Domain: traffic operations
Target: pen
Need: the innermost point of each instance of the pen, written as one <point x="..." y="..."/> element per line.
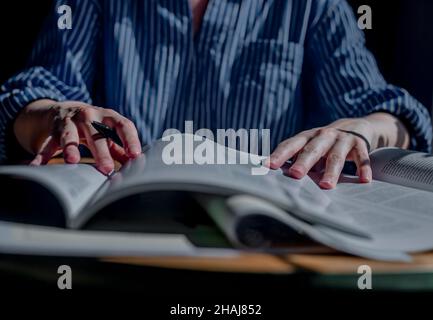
<point x="107" y="132"/>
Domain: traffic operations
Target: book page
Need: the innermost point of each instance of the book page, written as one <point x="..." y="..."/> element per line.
<point x="151" y="173"/>
<point x="403" y="167"/>
<point x="40" y="240"/>
<point x="241" y="219"/>
<point x="72" y="184"/>
<point x="397" y="217"/>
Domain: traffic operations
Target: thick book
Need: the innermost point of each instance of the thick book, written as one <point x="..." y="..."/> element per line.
<point x="386" y="220"/>
<point x="395" y="210"/>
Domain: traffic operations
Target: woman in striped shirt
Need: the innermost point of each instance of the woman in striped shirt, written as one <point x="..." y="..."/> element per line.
<point x="296" y="67"/>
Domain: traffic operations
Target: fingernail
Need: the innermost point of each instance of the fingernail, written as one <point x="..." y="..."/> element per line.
<point x="72" y="159"/>
<point x="275" y="164"/>
<point x="71" y="155"/>
<point x="134" y="150"/>
<point x="106" y="168"/>
<point x="36" y="161"/>
<point x="267" y="162"/>
<point x="297" y="171"/>
<point x="272" y="162"/>
<point x="366" y="174"/>
<point x="326" y="184"/>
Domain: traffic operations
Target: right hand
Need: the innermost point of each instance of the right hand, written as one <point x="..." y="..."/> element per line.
<point x="47" y="128"/>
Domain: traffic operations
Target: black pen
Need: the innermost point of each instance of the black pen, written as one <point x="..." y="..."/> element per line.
<point x="107" y="132"/>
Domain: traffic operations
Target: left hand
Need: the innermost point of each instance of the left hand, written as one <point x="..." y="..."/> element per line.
<point x="310" y="146"/>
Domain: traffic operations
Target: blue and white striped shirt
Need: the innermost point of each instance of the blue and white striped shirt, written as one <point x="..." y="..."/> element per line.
<point x="286" y="65"/>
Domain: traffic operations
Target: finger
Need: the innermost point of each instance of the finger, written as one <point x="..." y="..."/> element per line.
<point x="98" y="147"/>
<point x="126" y="131"/>
<point x="335" y="162"/>
<point x="362" y="161"/>
<point x="287" y="149"/>
<point x="48" y="149"/>
<point x="69" y="141"/>
<point x="312" y="152"/>
<point x="117" y="152"/>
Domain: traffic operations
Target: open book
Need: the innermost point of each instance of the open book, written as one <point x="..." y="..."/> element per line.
<point x="395" y="210"/>
<point x="346" y="219"/>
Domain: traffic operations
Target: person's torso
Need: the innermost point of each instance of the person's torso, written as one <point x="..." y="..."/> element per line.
<point x="242" y="69"/>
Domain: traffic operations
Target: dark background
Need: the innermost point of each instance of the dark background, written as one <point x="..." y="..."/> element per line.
<point x="401" y="39"/>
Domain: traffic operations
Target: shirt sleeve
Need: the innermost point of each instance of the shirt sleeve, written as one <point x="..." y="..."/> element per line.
<point x="61" y="66"/>
<point x="345" y="81"/>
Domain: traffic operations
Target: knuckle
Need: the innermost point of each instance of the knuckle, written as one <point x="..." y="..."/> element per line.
<point x="303" y="134"/>
<point x="65" y="135"/>
<point x="309" y="132"/>
<point x="284" y="144"/>
<point x="327" y="131"/>
<point x="335" y="158"/>
<point x="309" y="150"/>
<point x="111" y="113"/>
<point x="345" y="137"/>
<point x="67" y="122"/>
<point x="361" y="148"/>
<point x="87" y="114"/>
<point x="126" y="123"/>
<point x="123" y="122"/>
